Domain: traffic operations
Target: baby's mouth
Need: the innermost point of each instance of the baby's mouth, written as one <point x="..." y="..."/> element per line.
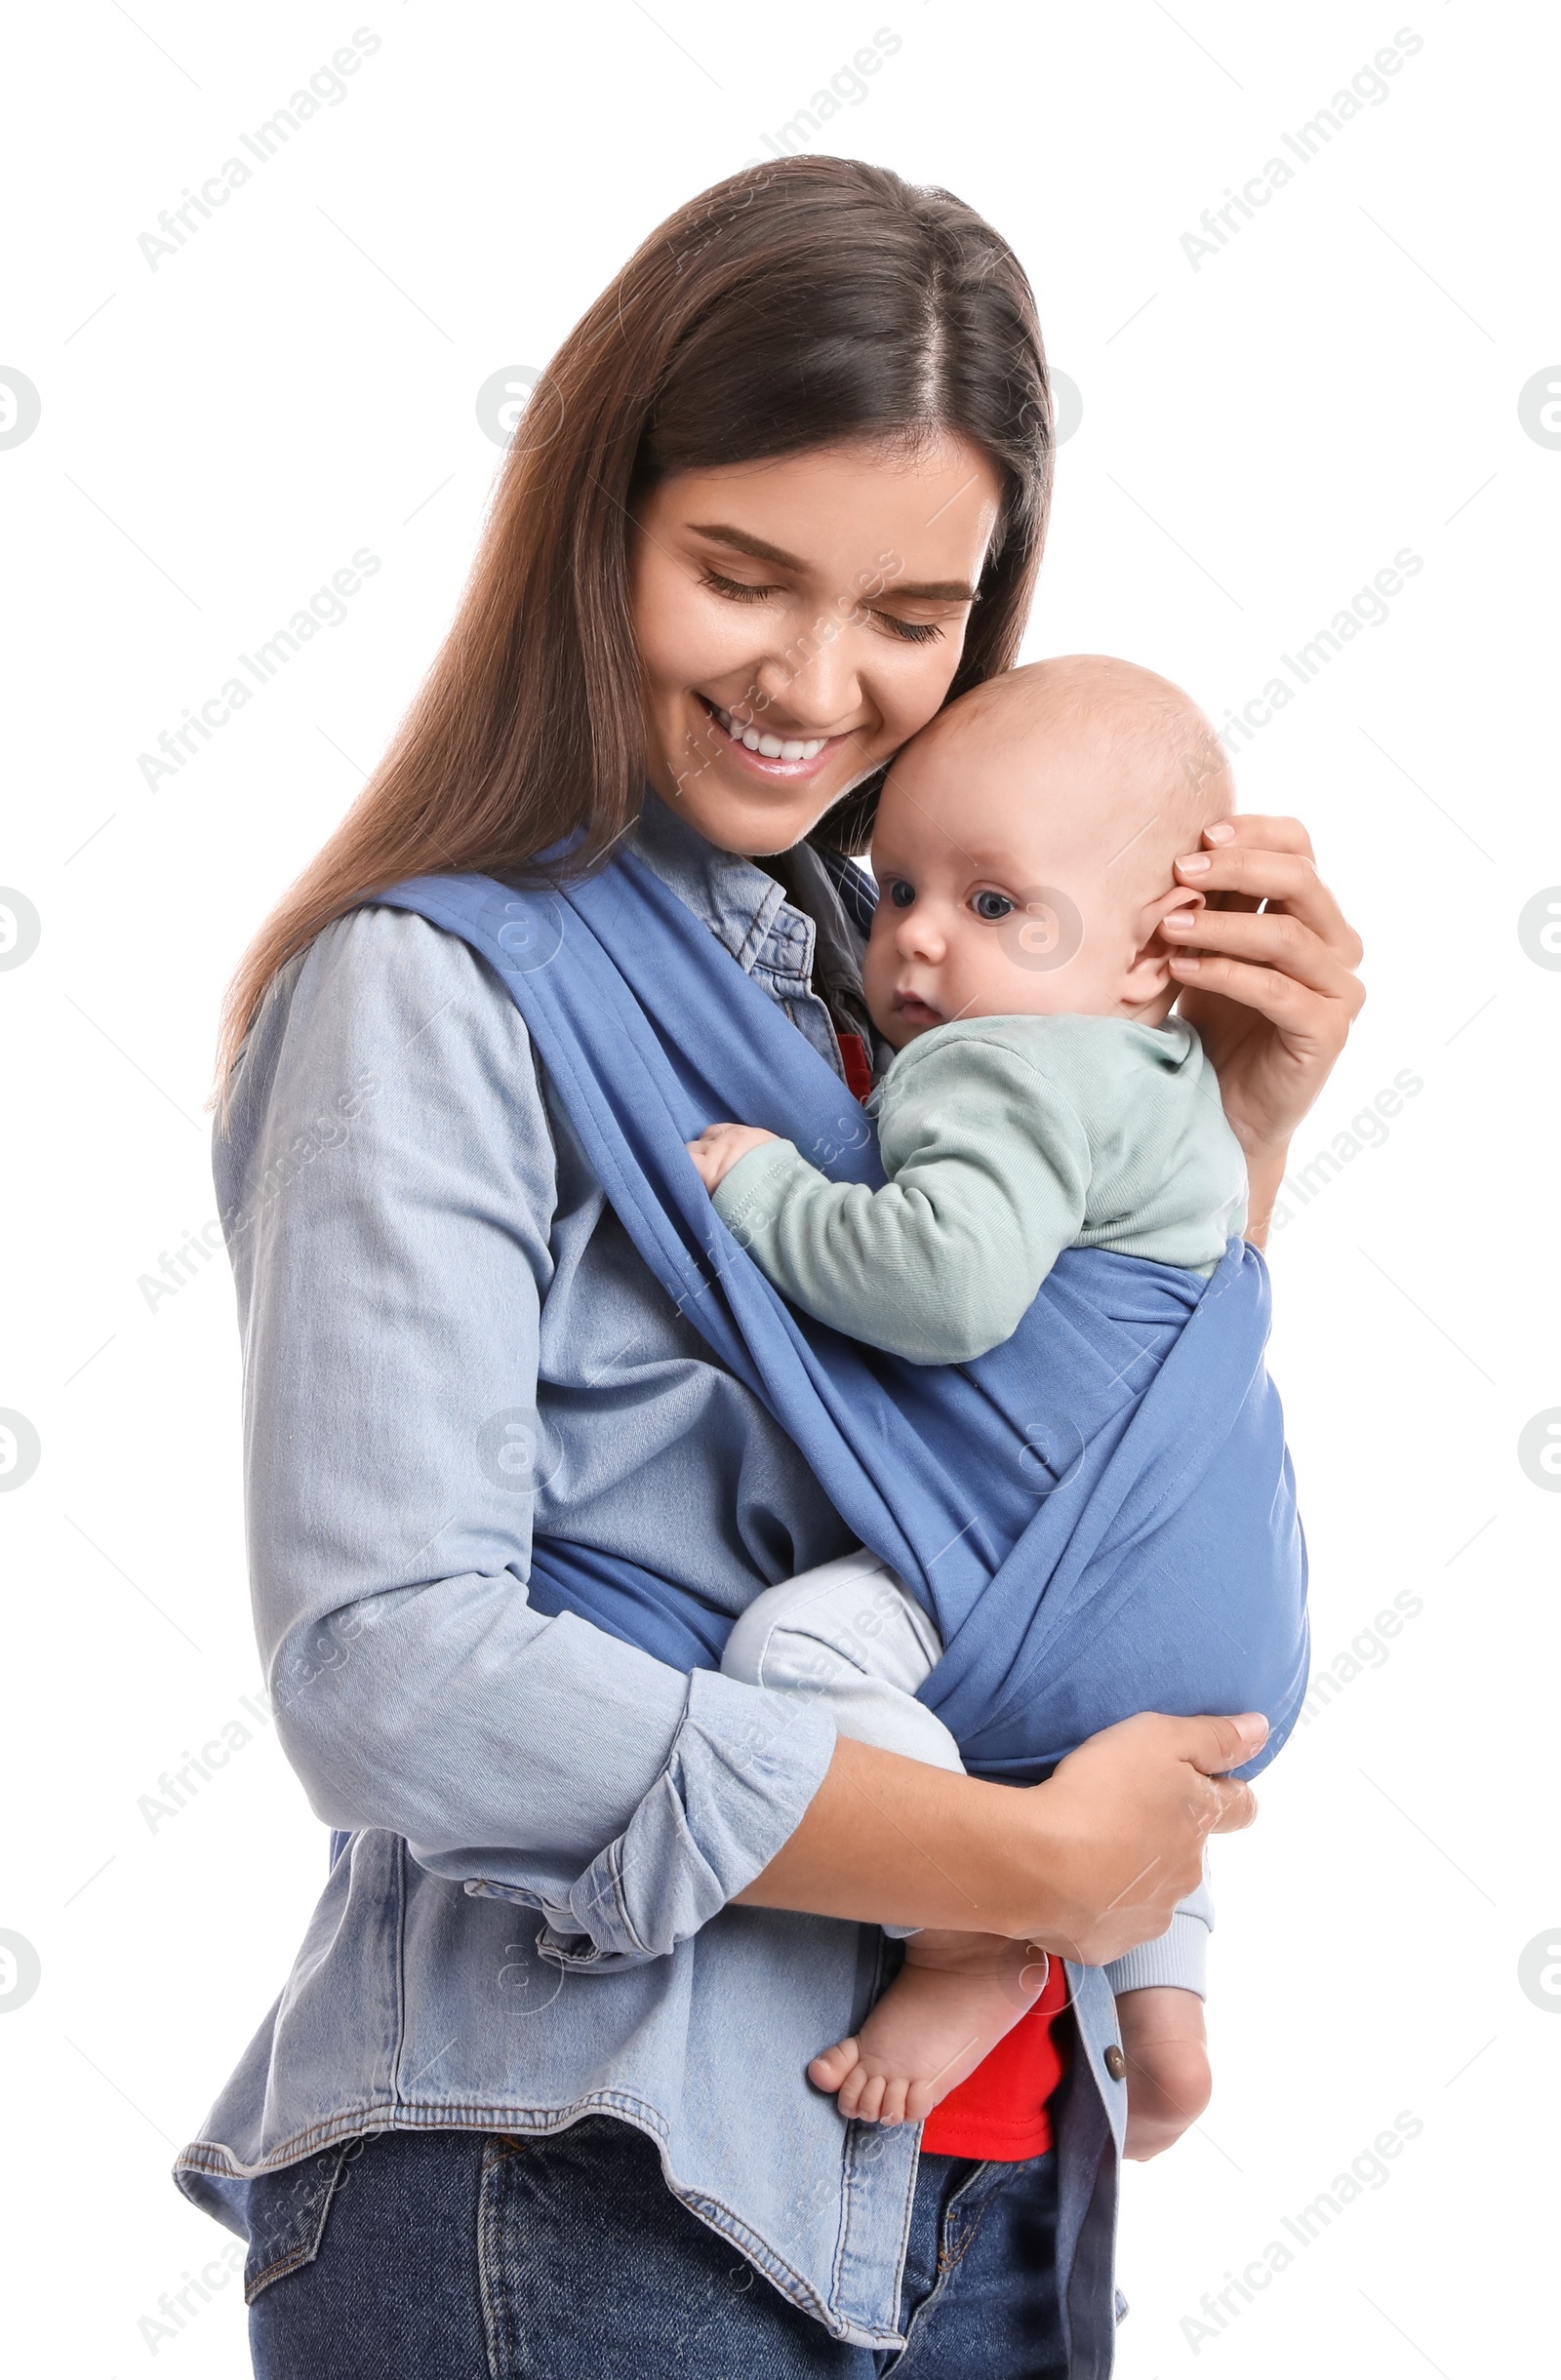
<point x="915" y="1011"/>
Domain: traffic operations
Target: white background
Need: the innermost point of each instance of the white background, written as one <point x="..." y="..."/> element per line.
<point x="1259" y="436"/>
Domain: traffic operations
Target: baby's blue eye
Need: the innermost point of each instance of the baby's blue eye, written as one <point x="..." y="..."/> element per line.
<point x="991" y="905"/>
<point x="901" y="893"/>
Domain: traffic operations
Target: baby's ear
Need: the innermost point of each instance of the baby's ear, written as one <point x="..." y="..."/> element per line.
<point x="1149" y="977"/>
<point x="1155" y="912"/>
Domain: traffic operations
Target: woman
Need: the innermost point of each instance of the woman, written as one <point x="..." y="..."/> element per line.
<point x="532" y="2098"/>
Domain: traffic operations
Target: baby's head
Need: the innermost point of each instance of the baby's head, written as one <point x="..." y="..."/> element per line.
<point x="1026" y="849"/>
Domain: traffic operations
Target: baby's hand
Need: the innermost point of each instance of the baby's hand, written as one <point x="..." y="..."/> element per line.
<point x="1168" y="2066"/>
<point x="719" y="1146"/>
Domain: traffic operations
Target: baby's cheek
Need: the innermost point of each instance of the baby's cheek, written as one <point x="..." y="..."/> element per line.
<point x="993" y="982"/>
<point x="1015" y="969"/>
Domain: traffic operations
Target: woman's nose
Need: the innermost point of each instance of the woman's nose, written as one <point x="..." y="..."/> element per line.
<point x="812" y="683"/>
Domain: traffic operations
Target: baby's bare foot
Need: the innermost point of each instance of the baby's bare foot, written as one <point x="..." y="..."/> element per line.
<point x="952" y="2000"/>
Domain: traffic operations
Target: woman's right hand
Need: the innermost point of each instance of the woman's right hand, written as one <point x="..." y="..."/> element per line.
<point x="1123" y="1822"/>
<point x="1088" y="1865"/>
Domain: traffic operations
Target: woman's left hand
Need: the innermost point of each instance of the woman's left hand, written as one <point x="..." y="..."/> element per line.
<point x="1272" y="993"/>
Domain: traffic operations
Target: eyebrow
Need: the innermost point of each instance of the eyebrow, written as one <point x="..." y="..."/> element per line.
<point x="939" y="590"/>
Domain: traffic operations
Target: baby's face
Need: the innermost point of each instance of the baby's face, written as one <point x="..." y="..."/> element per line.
<point x="996" y="895"/>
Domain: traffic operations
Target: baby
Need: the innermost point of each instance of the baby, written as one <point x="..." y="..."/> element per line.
<point x="1042" y="1096"/>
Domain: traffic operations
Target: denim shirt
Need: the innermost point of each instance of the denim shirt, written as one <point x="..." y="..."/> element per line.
<point x="448" y="1340"/>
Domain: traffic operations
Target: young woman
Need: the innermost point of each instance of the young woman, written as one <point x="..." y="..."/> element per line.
<point x="532" y="2099"/>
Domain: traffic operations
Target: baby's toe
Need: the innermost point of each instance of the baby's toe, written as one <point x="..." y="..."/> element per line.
<point x="920" y="2100"/>
<point x="830" y="2068"/>
<point x="849" y="2097"/>
<point x="893" y="2110"/>
<point x="867" y="2099"/>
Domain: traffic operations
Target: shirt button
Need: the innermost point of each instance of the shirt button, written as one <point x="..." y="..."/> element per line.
<point x="1116" y="2064"/>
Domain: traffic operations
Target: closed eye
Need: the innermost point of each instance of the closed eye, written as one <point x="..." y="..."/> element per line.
<point x="736" y="590"/>
<point x="910" y="632"/>
<point x="739" y="590"/>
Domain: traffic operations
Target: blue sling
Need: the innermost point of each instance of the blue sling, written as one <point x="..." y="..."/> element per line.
<point x="1100" y="1514"/>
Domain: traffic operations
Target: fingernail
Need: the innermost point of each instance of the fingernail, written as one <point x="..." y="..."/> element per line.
<point x="1196" y="864"/>
<point x="1179" y="922"/>
<point x="1186" y="962"/>
<point x="1221" y="832"/>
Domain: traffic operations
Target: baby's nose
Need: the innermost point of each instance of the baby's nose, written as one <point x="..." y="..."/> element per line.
<point x="918" y="937"/>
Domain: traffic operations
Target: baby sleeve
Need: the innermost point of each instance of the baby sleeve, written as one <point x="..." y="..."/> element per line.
<point x="988" y="1167"/>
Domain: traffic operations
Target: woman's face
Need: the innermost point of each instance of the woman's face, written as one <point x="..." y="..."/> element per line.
<point x="814" y="608"/>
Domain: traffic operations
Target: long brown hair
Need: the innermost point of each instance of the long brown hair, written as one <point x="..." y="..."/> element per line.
<point x="798" y="304"/>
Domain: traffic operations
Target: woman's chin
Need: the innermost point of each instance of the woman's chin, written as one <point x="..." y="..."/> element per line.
<point x="749" y="817"/>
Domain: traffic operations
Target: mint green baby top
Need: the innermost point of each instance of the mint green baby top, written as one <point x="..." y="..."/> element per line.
<point x="1005" y="1139"/>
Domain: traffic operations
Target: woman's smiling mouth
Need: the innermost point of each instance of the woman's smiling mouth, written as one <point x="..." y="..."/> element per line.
<point x="762" y="750"/>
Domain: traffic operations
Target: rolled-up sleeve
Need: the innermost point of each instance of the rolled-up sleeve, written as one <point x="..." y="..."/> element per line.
<point x="743" y="1765"/>
<point x="387" y="1186"/>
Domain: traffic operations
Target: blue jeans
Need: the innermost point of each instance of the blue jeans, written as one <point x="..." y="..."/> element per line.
<point x="486" y="2256"/>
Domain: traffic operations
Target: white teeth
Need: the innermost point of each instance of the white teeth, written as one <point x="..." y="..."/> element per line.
<point x="770" y="746"/>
